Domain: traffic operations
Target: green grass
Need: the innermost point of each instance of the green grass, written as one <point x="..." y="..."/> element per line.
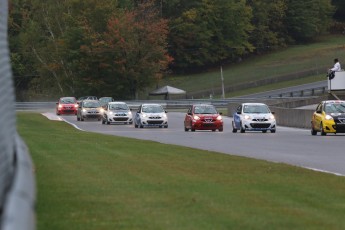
<point x="92" y="181"/>
<point x="291" y="60"/>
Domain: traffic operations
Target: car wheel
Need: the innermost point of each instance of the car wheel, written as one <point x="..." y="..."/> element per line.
<point x="108" y="123"/>
<point x="186" y="129"/>
<point x="242" y="129"/>
<point x="213" y="130"/>
<point x="220" y="130"/>
<point x="81" y="118"/>
<point x="166" y="126"/>
<point x="234" y="130"/>
<point x="313" y="131"/>
<point x="103" y="121"/>
<point x="130" y="123"/>
<point x="273" y="130"/>
<point x="264" y="131"/>
<point x="321" y="130"/>
<point x="141" y="126"/>
<point x="58" y="114"/>
<point x="78" y="119"/>
<point x="193" y="130"/>
<point x="135" y="125"/>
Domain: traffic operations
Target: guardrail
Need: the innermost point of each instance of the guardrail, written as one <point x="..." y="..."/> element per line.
<point x="304" y="93"/>
<point x="17" y="185"/>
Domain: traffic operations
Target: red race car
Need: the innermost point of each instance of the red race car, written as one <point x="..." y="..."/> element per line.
<point x="67" y="105"/>
<point x="203" y="117"/>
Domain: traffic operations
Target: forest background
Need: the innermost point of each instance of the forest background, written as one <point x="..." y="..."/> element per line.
<point x="120" y="47"/>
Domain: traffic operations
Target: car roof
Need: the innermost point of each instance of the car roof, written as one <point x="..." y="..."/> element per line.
<point x="146" y="104"/>
<point x="253" y="103"/>
<point x="116" y="102"/>
<point x="333" y="101"/>
<point x="90" y="101"/>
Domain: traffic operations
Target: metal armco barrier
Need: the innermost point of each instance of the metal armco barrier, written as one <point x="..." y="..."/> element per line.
<point x="17" y="183"/>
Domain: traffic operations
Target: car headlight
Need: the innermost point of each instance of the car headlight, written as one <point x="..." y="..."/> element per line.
<point x="219" y="118"/>
<point x="60" y="106"/>
<point x="144" y="115"/>
<point x="76" y="106"/>
<point x="101" y="110"/>
<point x="328" y="117"/>
<point x="111" y="113"/>
<point x="164" y="116"/>
<point x="271" y="117"/>
<point x="84" y="110"/>
<point x="196" y="118"/>
<point x="246" y="117"/>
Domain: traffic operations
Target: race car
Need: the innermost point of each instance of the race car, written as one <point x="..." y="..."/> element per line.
<point x="118" y="113"/>
<point x="151" y="115"/>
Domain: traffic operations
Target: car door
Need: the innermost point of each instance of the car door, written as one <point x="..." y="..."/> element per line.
<point x="317" y="117"/>
<point x="188" y="118"/>
<point x="237" y="117"/>
<point x="137" y="116"/>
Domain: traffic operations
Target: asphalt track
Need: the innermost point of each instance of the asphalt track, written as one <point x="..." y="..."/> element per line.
<point x="288" y="145"/>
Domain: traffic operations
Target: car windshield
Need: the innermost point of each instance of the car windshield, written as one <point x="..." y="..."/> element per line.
<point x="91" y="104"/>
<point x="105" y="99"/>
<point x="205" y="110"/>
<point x="335" y="107"/>
<point x="255" y="109"/>
<point x="67" y="101"/>
<point x="152" y="109"/>
<point x="118" y="107"/>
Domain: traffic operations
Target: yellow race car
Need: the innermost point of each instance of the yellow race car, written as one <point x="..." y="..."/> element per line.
<point x="329" y="117"/>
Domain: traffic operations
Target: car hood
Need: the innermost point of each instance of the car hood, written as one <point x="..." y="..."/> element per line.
<point x="207" y="115"/>
<point x="119" y="111"/>
<point x="259" y="115"/>
<point x="337" y="115"/>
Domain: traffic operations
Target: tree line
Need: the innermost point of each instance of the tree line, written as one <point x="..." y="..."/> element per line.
<point x="119" y="47"/>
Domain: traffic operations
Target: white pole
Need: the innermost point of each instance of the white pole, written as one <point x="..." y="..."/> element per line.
<point x="222" y="78"/>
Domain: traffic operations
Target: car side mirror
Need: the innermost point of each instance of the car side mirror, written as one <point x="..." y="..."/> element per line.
<point x="57" y="103"/>
<point x="166" y="111"/>
<point x="238" y="112"/>
<point x="318" y="111"/>
<point x="273" y="112"/>
<point x="190" y="114"/>
<point x="220" y="113"/>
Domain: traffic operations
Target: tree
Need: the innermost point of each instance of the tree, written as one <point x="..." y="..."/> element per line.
<point x="137" y="41"/>
<point x="211" y="32"/>
<point x="269" y="31"/>
<point x="307" y="19"/>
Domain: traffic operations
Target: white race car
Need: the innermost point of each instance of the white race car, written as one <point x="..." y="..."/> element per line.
<point x="117" y="112"/>
<point x="151" y="115"/>
<point x="253" y="117"/>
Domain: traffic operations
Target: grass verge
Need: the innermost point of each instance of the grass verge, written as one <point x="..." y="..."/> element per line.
<point x="92" y="181"/>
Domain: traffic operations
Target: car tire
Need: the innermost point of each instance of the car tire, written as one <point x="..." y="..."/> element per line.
<point x="313" y="131"/>
<point x="213" y="130"/>
<point x="234" y="130"/>
<point x="81" y="119"/>
<point x="166" y="126"/>
<point x="322" y="131"/>
<point x="264" y="131"/>
<point x="242" y="129"/>
<point x="78" y="119"/>
<point x="103" y="121"/>
<point x="273" y="130"/>
<point x="220" y="130"/>
<point x="186" y="129"/>
<point x="135" y="125"/>
<point x="193" y="130"/>
<point x="108" y="123"/>
<point x="141" y="126"/>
